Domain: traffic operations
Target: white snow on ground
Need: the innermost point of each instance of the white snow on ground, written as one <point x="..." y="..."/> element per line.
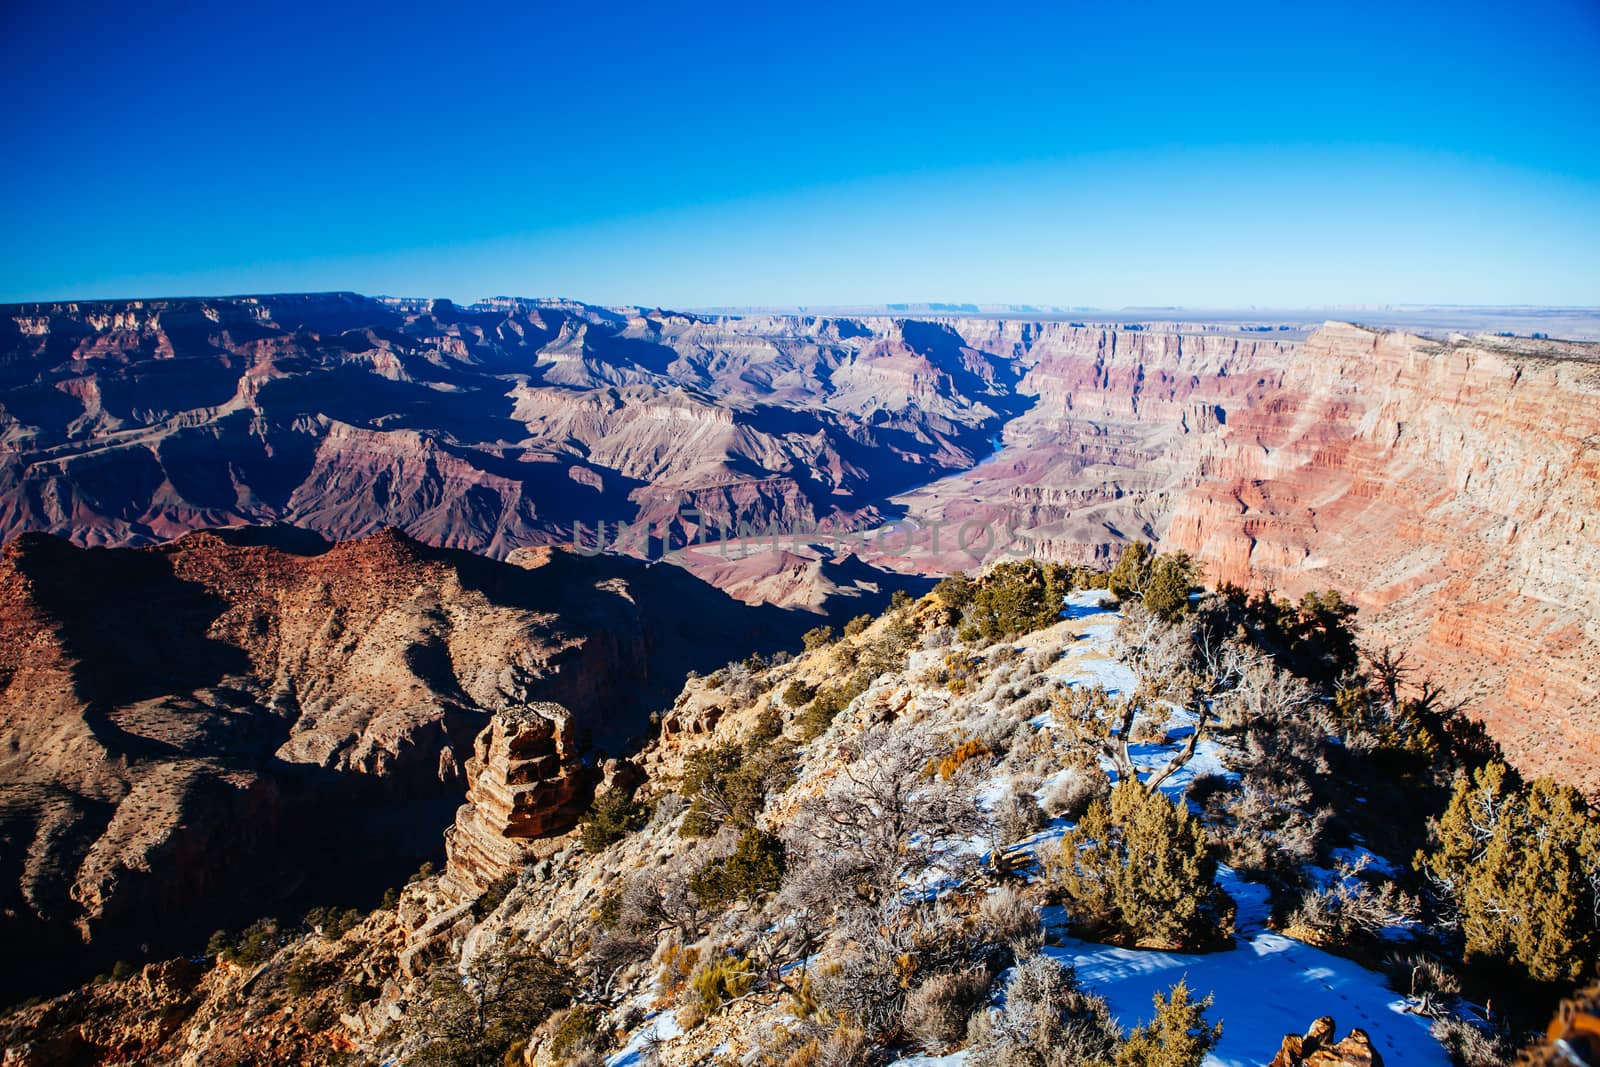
<point x="954" y="1059"/>
<point x="663" y="1027"/>
<point x="1089" y="660"/>
<point x="1268" y="985"/>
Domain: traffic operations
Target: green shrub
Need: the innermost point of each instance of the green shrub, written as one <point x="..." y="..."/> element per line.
<point x="1516" y="863"/>
<point x="824" y="708"/>
<point x="816" y="638"/>
<point x="718" y="981"/>
<point x="1132" y="571"/>
<point x="1015" y="597"/>
<point x="576" y="1030"/>
<point x="753" y="870"/>
<point x="955" y="592"/>
<point x="333" y="922"/>
<point x="798" y="693"/>
<point x="609" y="913"/>
<point x="1140" y="871"/>
<point x="613" y="815"/>
<point x="767" y="728"/>
<point x="307" y="974"/>
<point x="1178" y="1035"/>
<point x="1167" y="592"/>
<point x="857" y="626"/>
<point x="476" y="1016"/>
<point x="727" y="784"/>
<point x="255" y="944"/>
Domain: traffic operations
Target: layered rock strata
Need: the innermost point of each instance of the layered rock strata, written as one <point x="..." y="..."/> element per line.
<point x="527" y="785"/>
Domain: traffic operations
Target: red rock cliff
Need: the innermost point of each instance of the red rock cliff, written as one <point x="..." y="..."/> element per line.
<point x="1453" y="491"/>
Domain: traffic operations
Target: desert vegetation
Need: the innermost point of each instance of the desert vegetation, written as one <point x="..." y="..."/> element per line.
<point x="906" y="837"/>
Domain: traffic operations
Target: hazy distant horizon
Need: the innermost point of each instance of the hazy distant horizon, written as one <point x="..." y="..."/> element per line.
<point x="1573" y="323"/>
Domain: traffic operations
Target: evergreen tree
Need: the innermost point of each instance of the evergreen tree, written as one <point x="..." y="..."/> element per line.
<point x="1178" y="1035"/>
<point x="612" y="816"/>
<point x="1015" y="597"/>
<point x="1167" y="593"/>
<point x="1521" y="867"/>
<point x="1140" y="869"/>
<point x="1132" y="572"/>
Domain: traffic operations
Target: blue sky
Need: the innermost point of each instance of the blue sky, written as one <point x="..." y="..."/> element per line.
<point x="1102" y="154"/>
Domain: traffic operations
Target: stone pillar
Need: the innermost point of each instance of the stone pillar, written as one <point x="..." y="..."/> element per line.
<point x="525" y="784"/>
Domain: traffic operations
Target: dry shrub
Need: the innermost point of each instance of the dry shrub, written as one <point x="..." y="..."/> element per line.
<point x="676" y="963"/>
<point x="1046" y="1021"/>
<point x="1018" y="813"/>
<point x="1150" y="727"/>
<point x="1471" y="1046"/>
<point x="1350" y="908"/>
<point x="938" y="1009"/>
<point x="1007" y="918"/>
<point x="1071" y="795"/>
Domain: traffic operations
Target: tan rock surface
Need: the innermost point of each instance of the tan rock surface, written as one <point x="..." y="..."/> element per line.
<point x="526" y="785"/>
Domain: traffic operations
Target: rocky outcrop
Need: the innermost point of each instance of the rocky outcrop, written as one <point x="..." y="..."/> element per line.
<point x="253" y="721"/>
<point x="526" y="785"/>
<point x="1318" y="1048"/>
<point x="1573" y="1035"/>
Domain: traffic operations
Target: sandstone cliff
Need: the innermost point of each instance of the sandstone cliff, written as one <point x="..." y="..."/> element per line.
<point x="1451" y="489"/>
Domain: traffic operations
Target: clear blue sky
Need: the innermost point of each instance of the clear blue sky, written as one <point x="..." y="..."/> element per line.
<point x="1106" y="153"/>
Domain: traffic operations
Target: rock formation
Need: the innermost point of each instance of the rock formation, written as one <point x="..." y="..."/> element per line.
<point x="1318" y="1048"/>
<point x="1448" y="487"/>
<point x="526" y="785"/>
<point x="1573" y="1035"/>
<point x="254" y="721"/>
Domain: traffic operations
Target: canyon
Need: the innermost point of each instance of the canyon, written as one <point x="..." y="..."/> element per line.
<point x="1446" y="485"/>
<point x="251" y="720"/>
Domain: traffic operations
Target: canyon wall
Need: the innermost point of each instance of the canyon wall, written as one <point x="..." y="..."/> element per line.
<point x="1447" y="487"/>
<point x="252" y="721"/>
<point x="1452" y="490"/>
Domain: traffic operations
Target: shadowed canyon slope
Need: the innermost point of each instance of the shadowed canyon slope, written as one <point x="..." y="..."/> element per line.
<point x="242" y="721"/>
<point x="1449" y="487"/>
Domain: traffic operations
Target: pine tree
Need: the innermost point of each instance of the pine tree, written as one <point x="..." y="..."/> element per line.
<point x="1521" y="866"/>
<point x="1141" y="870"/>
<point x="1178" y="1035"/>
